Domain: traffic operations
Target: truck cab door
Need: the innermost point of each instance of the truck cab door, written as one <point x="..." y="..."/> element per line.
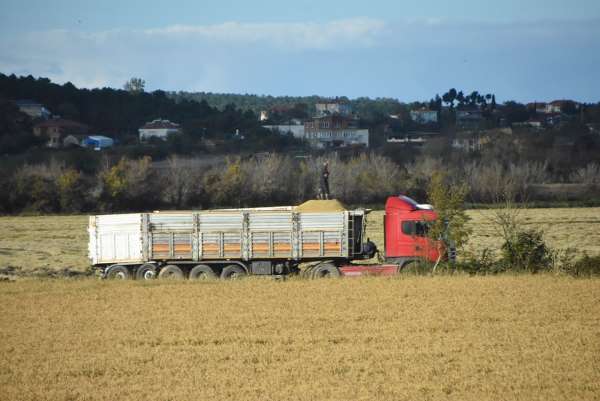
<point x="416" y="242"/>
<point x="409" y="241"/>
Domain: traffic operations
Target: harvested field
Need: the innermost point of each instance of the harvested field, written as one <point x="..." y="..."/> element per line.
<point x="59" y="242"/>
<point x="44" y="242"/>
<point x="411" y="338"/>
<point x="577" y="228"/>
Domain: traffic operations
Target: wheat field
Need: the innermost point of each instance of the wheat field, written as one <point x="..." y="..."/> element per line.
<point x="404" y="338"/>
<point x="46" y="243"/>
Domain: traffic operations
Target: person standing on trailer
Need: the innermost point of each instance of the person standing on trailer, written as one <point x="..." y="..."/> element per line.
<point x="325" y="181"/>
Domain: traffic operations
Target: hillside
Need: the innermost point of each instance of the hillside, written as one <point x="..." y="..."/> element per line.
<point x="119" y="114"/>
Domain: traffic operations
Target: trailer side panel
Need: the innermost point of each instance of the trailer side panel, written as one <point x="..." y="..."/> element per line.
<point x="116" y="238"/>
<point x="240" y="234"/>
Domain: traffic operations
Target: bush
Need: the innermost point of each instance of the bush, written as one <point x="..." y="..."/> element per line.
<point x="483" y="264"/>
<point x="35" y="190"/>
<point x="526" y="251"/>
<point x="71" y="191"/>
<point x="587" y="266"/>
<point x="130" y="185"/>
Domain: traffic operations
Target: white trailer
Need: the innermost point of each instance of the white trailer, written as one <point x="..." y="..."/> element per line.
<point x="225" y="242"/>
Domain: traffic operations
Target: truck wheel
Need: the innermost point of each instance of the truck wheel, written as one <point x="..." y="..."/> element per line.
<point x="117" y="272"/>
<point x="202" y="272"/>
<point x="412" y="267"/>
<point x="171" y="272"/>
<point x="325" y="270"/>
<point x="406" y="267"/>
<point x="232" y="272"/>
<point x="146" y="271"/>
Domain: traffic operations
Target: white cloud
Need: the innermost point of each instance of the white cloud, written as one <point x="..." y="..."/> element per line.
<point x="358" y="54"/>
<point x="207" y="54"/>
<point x="356" y="32"/>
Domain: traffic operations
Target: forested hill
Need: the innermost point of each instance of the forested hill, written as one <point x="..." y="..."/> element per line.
<point x="364" y="106"/>
<point x="116" y="111"/>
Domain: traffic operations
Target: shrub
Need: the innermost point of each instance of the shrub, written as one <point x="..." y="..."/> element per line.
<point x="71" y="190"/>
<point x="484" y="263"/>
<point x="35" y="189"/>
<point x="130" y="185"/>
<point x="526" y="251"/>
<point x="587" y="266"/>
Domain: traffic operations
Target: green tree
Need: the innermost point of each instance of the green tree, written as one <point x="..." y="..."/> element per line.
<point x="449" y="97"/>
<point x="130" y="185"/>
<point x="227" y="187"/>
<point x="35" y="190"/>
<point x="448" y="199"/>
<point x="135" y="85"/>
<point x="71" y="191"/>
<point x="515" y="112"/>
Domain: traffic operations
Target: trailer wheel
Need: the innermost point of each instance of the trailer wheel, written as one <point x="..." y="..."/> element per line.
<point x="232" y="272"/>
<point x="325" y="270"/>
<point x="117" y="272"/>
<point x="171" y="272"/>
<point x="202" y="272"/>
<point x="146" y="271"/>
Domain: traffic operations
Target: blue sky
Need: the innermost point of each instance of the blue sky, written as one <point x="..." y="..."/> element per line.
<point x="522" y="50"/>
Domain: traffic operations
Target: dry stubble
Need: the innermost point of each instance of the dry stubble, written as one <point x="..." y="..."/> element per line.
<point x="503" y="338"/>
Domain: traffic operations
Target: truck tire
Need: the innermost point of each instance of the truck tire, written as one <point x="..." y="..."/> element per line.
<point x="117" y="272"/>
<point x="414" y="266"/>
<point x="171" y="272"/>
<point x="405" y="265"/>
<point x="202" y="272"/>
<point x="232" y="272"/>
<point x="325" y="270"/>
<point x="146" y="271"/>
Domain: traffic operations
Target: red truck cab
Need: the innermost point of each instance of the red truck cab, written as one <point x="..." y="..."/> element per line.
<point x="406" y="225"/>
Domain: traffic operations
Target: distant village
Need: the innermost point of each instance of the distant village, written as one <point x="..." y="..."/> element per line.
<point x="336" y="125"/>
<point x="64" y="133"/>
<point x="333" y="125"/>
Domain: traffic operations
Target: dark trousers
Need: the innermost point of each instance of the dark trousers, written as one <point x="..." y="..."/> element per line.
<point x="325" y="189"/>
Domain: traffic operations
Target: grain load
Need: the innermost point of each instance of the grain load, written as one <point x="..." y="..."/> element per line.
<point x="319" y="206"/>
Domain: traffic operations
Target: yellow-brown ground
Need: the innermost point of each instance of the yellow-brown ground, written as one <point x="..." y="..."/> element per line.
<point x="411" y="338"/>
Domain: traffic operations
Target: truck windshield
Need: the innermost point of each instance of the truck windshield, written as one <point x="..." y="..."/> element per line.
<point x="415" y="228"/>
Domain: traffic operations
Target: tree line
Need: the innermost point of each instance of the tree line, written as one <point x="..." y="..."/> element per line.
<point x="263" y="180"/>
<point x="120" y="113"/>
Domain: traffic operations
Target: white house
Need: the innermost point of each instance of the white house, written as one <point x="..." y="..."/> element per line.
<point x="33" y="109"/>
<point x="320" y="138"/>
<point x="417" y="138"/>
<point x="424" y="116"/>
<point x="333" y="107"/>
<point x="158" y="129"/>
<point x="264" y="115"/>
<point x="338" y="137"/>
<point x="559" y="106"/>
